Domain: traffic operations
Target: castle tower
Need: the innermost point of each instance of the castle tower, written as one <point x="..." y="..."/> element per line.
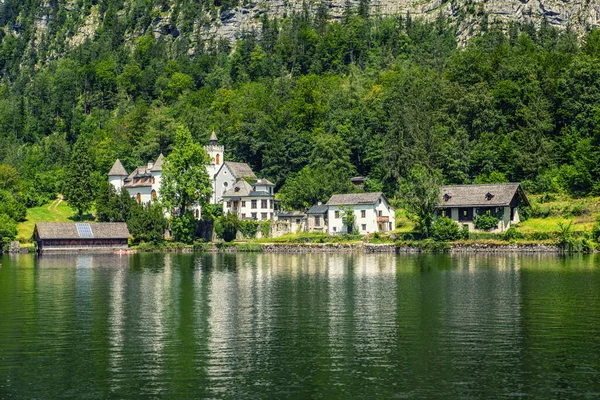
<point x="215" y="152"/>
<point x="116" y="175"/>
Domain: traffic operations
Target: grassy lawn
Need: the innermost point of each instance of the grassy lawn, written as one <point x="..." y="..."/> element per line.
<point x="57" y="211"/>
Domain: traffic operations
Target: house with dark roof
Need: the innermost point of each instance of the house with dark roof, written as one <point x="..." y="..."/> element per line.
<point x="255" y="202"/>
<point x="372" y="213"/>
<point x="317" y="218"/>
<point x="80" y="236"/>
<point x="463" y="203"/>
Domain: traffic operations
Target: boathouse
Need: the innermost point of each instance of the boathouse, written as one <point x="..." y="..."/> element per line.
<point x="80" y="236"/>
<point x="463" y="203"/>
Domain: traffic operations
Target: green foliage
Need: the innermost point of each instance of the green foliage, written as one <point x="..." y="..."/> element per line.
<point x="265" y="228"/>
<point x="8" y="228"/>
<point x="185" y="181"/>
<point x="595" y="234"/>
<point x="426" y="245"/>
<point x="525" y="212"/>
<point x="348" y="219"/>
<point x="10" y="180"/>
<point x="444" y="229"/>
<point x="485" y="221"/>
<point x="512" y="234"/>
<point x="249" y="247"/>
<point x="248" y="228"/>
<point x="79" y="187"/>
<point x="227" y="226"/>
<point x="419" y="193"/>
<point x="11" y="207"/>
<point x="183" y="227"/>
<point x="147" y="223"/>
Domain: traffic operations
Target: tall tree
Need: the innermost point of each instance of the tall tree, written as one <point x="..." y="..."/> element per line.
<point x="79" y="188"/>
<point x="419" y="192"/>
<point x="185" y="181"/>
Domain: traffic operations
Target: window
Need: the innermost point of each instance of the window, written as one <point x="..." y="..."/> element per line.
<point x="364" y="227"/>
<point x="379" y="213"/>
<point x="391" y="226"/>
<point x="271" y="215"/>
<point x="253" y="204"/>
<point x="335" y="228"/>
<point x="218" y="159"/>
<point x="243" y="203"/>
<point x="337" y="214"/>
<point x="317" y="221"/>
<point x="272" y="203"/>
<point x="363" y="213"/>
<point x="243" y="216"/>
<point x="138" y="197"/>
<point x="253" y="215"/>
<point x="263" y="204"/>
<point x="197" y="213"/>
<point x="229" y="204"/>
<point x="465" y="214"/>
<point x="153" y="194"/>
<point x="297" y="220"/>
<point x="263" y="216"/>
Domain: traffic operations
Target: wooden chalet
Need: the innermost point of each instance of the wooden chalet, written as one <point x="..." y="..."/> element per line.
<point x="80" y="236"/>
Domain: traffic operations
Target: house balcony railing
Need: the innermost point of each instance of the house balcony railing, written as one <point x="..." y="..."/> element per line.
<point x="383" y="219"/>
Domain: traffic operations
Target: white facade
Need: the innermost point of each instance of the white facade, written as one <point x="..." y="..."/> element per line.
<point x="368" y="218"/>
<point x="258" y="208"/>
<point x="222" y="182"/>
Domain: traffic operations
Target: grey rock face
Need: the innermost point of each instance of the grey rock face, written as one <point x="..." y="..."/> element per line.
<point x="468" y="15"/>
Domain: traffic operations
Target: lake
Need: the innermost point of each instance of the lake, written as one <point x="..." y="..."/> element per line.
<point x="323" y="326"/>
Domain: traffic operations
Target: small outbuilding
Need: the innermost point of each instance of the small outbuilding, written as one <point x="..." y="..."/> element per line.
<point x="80" y="236"/>
<point x="463" y="203"/>
<point x="317" y="218"/>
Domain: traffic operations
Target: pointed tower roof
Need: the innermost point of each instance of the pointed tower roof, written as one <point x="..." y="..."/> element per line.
<point x="158" y="163"/>
<point x="117" y="169"/>
<point x="213" y="138"/>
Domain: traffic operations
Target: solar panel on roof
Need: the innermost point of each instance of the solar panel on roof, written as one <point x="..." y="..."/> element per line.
<point x="84" y="230"/>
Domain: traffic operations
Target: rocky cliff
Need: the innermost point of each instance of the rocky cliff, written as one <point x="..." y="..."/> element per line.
<point x="210" y="21"/>
<point x="467" y="15"/>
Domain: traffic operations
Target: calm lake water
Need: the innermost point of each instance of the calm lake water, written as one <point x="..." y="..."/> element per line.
<point x="299" y="326"/>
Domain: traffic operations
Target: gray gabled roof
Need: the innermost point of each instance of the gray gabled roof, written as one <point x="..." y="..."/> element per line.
<point x="213" y="136"/>
<point x="318" y="209"/>
<point x="351" y="199"/>
<point x="68" y="230"/>
<point x="487" y="195"/>
<point x="240" y="170"/>
<point x="264" y="182"/>
<point x="158" y="164"/>
<point x="240" y="189"/>
<point x="117" y="169"/>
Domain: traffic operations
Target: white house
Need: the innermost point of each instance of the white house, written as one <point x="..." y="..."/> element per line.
<point x="227" y="175"/>
<point x="462" y="203"/>
<point x="143" y="183"/>
<point x="372" y="213"/>
<point x="254" y="202"/>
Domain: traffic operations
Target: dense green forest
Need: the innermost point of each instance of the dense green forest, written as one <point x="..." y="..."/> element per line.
<point x="306" y="102"/>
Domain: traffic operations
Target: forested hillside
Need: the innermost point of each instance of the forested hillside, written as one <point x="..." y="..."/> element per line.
<point x="306" y="102"/>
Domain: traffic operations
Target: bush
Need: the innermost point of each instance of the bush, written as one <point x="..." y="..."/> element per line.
<point x="265" y="228"/>
<point x="485" y="222"/>
<point x="249" y="247"/>
<point x="512" y="234"/>
<point x="595" y="234"/>
<point x="184" y="228"/>
<point x="444" y="229"/>
<point x="8" y="228"/>
<point x="248" y="228"/>
<point x="525" y="212"/>
<point x="227" y="226"/>
<point x="465" y="234"/>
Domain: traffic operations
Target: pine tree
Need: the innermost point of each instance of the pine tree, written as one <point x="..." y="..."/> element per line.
<point x="79" y="188"/>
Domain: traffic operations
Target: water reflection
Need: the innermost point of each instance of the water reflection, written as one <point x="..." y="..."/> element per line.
<point x="310" y="325"/>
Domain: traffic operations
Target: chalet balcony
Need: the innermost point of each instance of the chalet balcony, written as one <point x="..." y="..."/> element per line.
<point x="383" y="219"/>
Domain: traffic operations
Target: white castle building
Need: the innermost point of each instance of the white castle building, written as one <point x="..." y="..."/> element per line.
<point x="143" y="183"/>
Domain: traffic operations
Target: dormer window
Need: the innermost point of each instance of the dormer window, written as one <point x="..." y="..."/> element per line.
<point x="447" y="197"/>
<point x="236" y="189"/>
<point x="489" y="196"/>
